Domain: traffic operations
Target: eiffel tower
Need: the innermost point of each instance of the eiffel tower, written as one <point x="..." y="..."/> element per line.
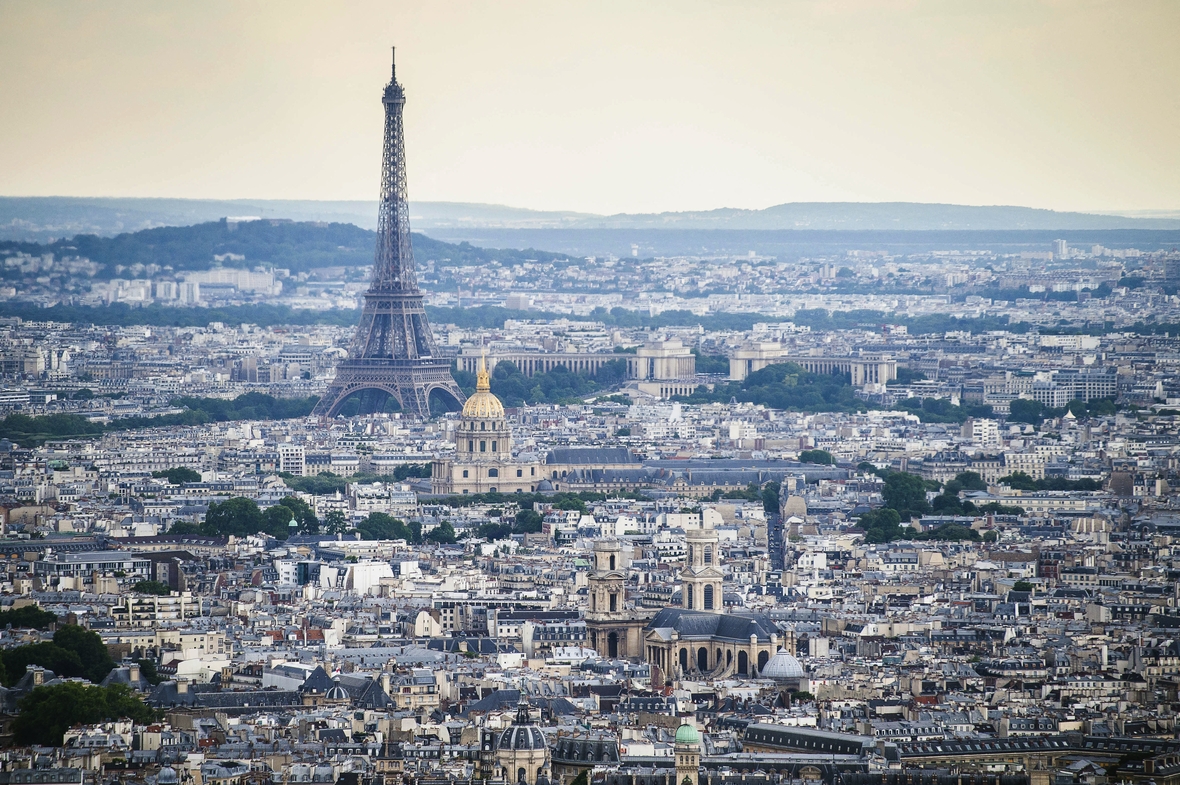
<point x="393" y="354"/>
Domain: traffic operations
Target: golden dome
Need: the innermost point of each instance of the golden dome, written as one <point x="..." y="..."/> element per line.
<point x="483" y="405"/>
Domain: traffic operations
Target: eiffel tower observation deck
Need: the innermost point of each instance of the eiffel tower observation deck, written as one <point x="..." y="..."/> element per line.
<point x="393" y="354"/>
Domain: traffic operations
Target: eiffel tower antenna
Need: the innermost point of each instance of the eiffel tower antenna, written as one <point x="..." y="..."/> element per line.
<point x="393" y="354"/>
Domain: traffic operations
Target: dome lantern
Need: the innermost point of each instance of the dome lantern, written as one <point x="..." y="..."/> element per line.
<point x="483" y="404"/>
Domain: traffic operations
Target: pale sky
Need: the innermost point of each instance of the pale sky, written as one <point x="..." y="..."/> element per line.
<point x="599" y="106"/>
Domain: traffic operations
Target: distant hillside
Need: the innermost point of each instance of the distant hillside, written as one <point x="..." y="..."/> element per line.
<point x="42" y="218"/>
<point x="880" y="216"/>
<point x="297" y="246"/>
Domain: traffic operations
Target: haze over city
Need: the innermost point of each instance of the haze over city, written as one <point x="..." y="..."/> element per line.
<point x="600" y="107"/>
<point x="698" y="393"/>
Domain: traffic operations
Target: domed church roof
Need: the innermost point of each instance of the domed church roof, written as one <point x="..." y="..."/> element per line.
<point x="483" y="405"/>
<point x="522" y="734"/>
<point x="783" y="666"/>
<point x="337" y="693"/>
<point x="687" y="734"/>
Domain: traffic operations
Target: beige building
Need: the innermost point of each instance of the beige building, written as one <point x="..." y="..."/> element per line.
<point x="614" y="629"/>
<point x="862" y="369"/>
<point x="483" y="450"/>
<point x="662" y="360"/>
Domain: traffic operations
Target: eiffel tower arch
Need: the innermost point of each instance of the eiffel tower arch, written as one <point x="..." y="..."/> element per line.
<point x="393" y="354"/>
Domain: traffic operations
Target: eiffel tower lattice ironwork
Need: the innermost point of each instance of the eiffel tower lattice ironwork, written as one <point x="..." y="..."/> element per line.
<point x="393" y="354"/>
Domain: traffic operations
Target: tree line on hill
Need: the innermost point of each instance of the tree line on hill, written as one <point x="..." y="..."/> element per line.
<point x="241" y="517"/>
<point x="298" y="246"/>
<point x="32" y="431"/>
<point x="786" y="386"/>
<point x="905" y="498"/>
<point x="559" y="385"/>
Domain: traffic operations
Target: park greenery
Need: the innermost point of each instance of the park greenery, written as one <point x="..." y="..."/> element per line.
<point x="49" y="711"/>
<point x="768" y="494"/>
<point x="151" y="587"/>
<point x="941" y="410"/>
<point x="711" y="363"/>
<point x="786" y="386"/>
<point x="1034" y="412"/>
<point x="327" y="483"/>
<point x="559" y="385"/>
<point x="33" y="431"/>
<point x="821" y="457"/>
<point x="905" y="498"/>
<point x="73" y="651"/>
<point x="1021" y="481"/>
<point x="178" y="475"/>
<point x="240" y="517"/>
<point x="27" y="617"/>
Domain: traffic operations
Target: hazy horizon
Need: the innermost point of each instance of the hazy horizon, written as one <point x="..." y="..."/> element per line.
<point x="601" y="108"/>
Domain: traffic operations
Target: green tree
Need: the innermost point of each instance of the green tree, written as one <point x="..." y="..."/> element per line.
<point x="966" y="481"/>
<point x="381" y="526"/>
<point x="184" y="527"/>
<point x="717" y="364"/>
<point x="950" y="532"/>
<point x="822" y="457"/>
<point x="152" y="587"/>
<point x="494" y="531"/>
<point x="570" y="502"/>
<point x="770" y="498"/>
<point x="905" y="493"/>
<point x="178" y="475"/>
<point x="444" y="534"/>
<point x="882" y="525"/>
<point x="1024" y="410"/>
<point x="46" y="654"/>
<point x="1022" y="586"/>
<point x="49" y="711"/>
<point x="335" y="522"/>
<point x="147" y="668"/>
<point x="277" y="519"/>
<point x="1019" y="481"/>
<point x="27" y="617"/>
<point x="238" y="516"/>
<point x="96" y="661"/>
<point x="528" y="522"/>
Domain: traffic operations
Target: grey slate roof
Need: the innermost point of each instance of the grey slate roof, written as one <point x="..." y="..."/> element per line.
<point x="591" y="455"/>
<point x="723" y="626"/>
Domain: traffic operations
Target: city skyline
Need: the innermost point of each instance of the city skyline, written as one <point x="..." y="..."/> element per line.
<point x="1057" y="106"/>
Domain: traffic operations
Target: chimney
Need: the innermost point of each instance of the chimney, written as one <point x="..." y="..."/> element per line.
<point x="38" y="675"/>
<point x="133" y="672"/>
<point x="182" y="687"/>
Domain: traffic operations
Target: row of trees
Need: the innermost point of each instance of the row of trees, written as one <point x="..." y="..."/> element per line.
<point x="27" y="617"/>
<point x="48" y="712"/>
<point x="768" y="494"/>
<point x="787" y="386"/>
<point x="1035" y="412"/>
<point x="941" y="410"/>
<point x="74" y="651"/>
<point x="380" y="526"/>
<point x="241" y="517"/>
<point x="1022" y="481"/>
<point x="905" y="498"/>
<point x="327" y="483"/>
<point x="23" y="429"/>
<point x="559" y="385"/>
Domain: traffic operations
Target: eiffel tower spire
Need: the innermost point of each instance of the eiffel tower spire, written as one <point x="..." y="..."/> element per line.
<point x="393" y="354"/>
